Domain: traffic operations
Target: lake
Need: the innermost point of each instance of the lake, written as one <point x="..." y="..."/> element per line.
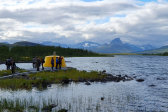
<point x="150" y="95"/>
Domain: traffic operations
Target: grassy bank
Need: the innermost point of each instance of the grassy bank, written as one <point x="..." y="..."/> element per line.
<point x="9" y="72"/>
<point x="42" y="79"/>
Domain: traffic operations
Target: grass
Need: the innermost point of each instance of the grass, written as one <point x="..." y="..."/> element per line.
<point x="5" y="72"/>
<point x="73" y="74"/>
<point x="15" y="84"/>
<point x="11" y="106"/>
<point x="17" y="105"/>
<point x="9" y="72"/>
<point x="42" y="79"/>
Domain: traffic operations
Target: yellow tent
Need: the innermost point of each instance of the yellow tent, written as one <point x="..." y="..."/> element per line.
<point x="48" y="61"/>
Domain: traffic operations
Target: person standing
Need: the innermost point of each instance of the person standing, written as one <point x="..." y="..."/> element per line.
<point x="42" y="62"/>
<point x="52" y="63"/>
<point x="13" y="66"/>
<point x="34" y="62"/>
<point x="60" y="62"/>
<point x="57" y="63"/>
<point x="38" y="64"/>
<point x="8" y="63"/>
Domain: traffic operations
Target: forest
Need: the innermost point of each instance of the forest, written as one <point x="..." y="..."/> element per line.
<point x="26" y="53"/>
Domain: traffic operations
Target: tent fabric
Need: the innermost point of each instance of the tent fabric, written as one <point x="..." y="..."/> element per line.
<point x="48" y="61"/>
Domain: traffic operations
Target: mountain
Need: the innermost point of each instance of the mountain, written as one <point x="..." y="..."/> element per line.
<point x="116" y="41"/>
<point x="147" y="47"/>
<point x="155" y="51"/>
<point x="49" y="43"/>
<point x="25" y="43"/>
<point x="85" y="45"/>
<point x="117" y="46"/>
<point x="4" y="44"/>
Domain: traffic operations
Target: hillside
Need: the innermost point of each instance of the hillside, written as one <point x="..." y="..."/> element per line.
<point x="156" y="51"/>
<point x="4" y="44"/>
<point x="115" y="46"/>
<point x="25" y="43"/>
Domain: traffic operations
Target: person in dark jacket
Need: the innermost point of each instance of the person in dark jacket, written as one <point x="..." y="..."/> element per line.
<point x="42" y="62"/>
<point x="52" y="63"/>
<point x="38" y="64"/>
<point x="34" y="62"/>
<point x="13" y="66"/>
<point x="57" y="63"/>
<point x="60" y="62"/>
<point x="8" y="63"/>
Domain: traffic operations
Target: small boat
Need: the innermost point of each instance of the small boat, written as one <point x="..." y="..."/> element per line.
<point x="48" y="61"/>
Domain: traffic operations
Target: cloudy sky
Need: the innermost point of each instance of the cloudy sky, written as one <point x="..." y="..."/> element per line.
<point x="72" y="21"/>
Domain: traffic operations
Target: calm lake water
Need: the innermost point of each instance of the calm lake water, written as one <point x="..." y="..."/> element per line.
<point x="132" y="96"/>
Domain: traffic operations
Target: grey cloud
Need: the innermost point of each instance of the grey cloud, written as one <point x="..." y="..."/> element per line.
<point x="64" y="14"/>
<point x="150" y="24"/>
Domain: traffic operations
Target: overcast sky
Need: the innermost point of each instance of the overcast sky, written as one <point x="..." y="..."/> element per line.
<point x="72" y="21"/>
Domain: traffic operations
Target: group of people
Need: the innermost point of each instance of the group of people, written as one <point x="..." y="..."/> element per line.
<point x="10" y="65"/>
<point x="37" y="62"/>
<point x="58" y="62"/>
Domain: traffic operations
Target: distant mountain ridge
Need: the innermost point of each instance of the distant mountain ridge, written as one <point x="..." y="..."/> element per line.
<point x="156" y="51"/>
<point x="49" y="43"/>
<point x="115" y="46"/>
<point x="25" y="43"/>
<point x="21" y="43"/>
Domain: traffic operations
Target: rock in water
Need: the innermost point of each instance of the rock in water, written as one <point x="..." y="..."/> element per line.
<point x="104" y="71"/>
<point x="63" y="110"/>
<point x="87" y="83"/>
<point x="102" y="98"/>
<point x="140" y="80"/>
<point x="49" y="108"/>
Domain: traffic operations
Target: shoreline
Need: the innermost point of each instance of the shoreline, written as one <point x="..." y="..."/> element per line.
<point x="44" y="79"/>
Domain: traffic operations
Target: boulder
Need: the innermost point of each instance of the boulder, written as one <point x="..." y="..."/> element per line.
<point x="102" y="98"/>
<point x="49" y="108"/>
<point x="63" y="110"/>
<point x="87" y="83"/>
<point x="140" y="80"/>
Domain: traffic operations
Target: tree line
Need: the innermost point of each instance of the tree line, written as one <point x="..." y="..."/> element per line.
<point x="26" y="53"/>
<point x="159" y="54"/>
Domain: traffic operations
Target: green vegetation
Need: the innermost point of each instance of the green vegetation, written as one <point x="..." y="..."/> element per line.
<point x="159" y="54"/>
<point x="5" y="72"/>
<point x="25" y="53"/>
<point x="8" y="72"/>
<point x="17" y="105"/>
<point x="42" y="79"/>
<point x="11" y="106"/>
<point x="73" y="74"/>
<point x="165" y="54"/>
<point x="160" y="50"/>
